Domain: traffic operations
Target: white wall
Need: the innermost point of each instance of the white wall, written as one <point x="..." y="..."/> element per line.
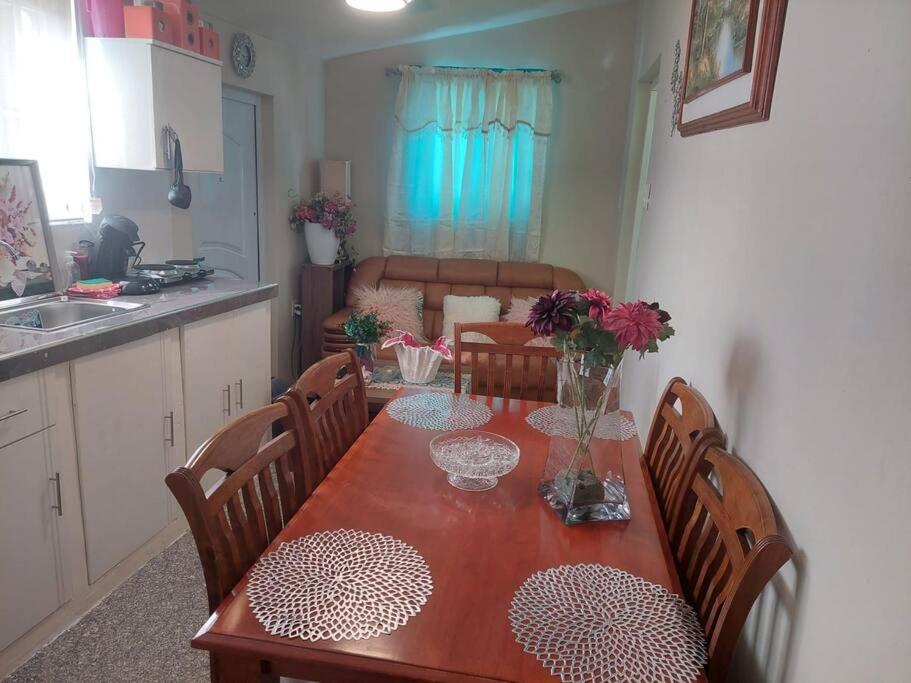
<point x="783" y="250"/>
<point x="593" y="49"/>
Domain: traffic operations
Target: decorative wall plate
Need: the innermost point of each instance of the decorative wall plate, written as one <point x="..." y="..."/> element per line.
<point x="338" y="585"/>
<point x="588" y="622"/>
<point x="243" y="55"/>
<point x="439" y="411"/>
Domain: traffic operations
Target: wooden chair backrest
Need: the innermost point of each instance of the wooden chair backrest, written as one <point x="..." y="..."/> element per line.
<point x="727" y="546"/>
<point x="333" y="403"/>
<point x="264" y="485"/>
<point x="510" y="341"/>
<point x="671" y="436"/>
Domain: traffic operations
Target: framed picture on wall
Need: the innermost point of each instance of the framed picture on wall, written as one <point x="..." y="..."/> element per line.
<point x="730" y="63"/>
<point x="25" y="252"/>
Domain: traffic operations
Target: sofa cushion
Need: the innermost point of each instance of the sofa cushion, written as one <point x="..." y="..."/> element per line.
<point x="397" y="305"/>
<point x="469" y="309"/>
<point x="411" y="268"/>
<point x="537" y="275"/>
<point x="519" y="309"/>
<point x="466" y="271"/>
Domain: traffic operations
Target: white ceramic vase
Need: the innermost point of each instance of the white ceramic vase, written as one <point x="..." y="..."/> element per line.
<point x="322" y="244"/>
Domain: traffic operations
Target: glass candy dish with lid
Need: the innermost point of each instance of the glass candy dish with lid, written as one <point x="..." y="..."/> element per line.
<point x="473" y="459"/>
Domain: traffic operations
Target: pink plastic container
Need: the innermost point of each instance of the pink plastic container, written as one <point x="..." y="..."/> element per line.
<point x="103" y="18"/>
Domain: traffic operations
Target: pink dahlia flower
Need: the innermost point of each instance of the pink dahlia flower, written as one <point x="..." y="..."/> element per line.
<point x="599" y="304"/>
<point x="634" y="324"/>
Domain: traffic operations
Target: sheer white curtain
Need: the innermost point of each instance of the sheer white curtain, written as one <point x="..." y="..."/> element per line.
<point x="43" y="104"/>
<point x="466" y="174"/>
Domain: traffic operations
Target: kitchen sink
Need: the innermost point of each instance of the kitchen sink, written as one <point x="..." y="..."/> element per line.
<point x="60" y="312"/>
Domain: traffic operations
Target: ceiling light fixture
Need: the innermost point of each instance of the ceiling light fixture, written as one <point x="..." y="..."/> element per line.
<point x="379" y="5"/>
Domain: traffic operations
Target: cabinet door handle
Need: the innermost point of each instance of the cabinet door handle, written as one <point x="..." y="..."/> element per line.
<point x="59" y="506"/>
<point x="226" y="405"/>
<point x="169" y="419"/>
<point x="13" y="413"/>
<point x="240" y="394"/>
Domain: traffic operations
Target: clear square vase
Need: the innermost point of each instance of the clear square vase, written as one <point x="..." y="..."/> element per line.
<point x="583" y="477"/>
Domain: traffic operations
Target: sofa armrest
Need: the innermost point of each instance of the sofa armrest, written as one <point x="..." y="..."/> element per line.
<point x="335" y="322"/>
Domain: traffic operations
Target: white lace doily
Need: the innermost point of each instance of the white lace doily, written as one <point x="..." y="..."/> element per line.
<point x="438" y="411"/>
<point x="557" y="421"/>
<point x="588" y="622"/>
<point x="338" y="585"/>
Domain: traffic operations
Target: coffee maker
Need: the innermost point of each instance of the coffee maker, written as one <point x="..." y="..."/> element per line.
<point x="119" y="243"/>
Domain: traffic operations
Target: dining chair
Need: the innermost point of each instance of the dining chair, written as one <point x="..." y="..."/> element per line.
<point x="727" y="545"/>
<point x="333" y="406"/>
<point x="682" y="414"/>
<point x="505" y="356"/>
<point x="263" y="485"/>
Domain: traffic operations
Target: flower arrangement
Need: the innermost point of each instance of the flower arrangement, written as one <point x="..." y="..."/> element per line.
<point x="333" y="213"/>
<point x="592" y="334"/>
<point x="366" y="327"/>
<point x="587" y="326"/>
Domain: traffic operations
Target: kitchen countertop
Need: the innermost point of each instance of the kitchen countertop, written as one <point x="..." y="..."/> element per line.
<point x="23" y="351"/>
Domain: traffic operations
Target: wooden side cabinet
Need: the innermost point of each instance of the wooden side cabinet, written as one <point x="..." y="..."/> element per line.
<point x="322" y="294"/>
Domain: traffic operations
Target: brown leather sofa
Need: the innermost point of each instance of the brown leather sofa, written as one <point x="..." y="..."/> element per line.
<point x="438" y="277"/>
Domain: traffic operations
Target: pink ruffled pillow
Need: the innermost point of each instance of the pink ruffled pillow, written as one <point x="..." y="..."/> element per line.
<point x="519" y="310"/>
<point x="397" y="306"/>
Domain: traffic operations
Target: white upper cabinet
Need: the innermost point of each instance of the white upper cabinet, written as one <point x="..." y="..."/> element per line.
<point x="139" y="86"/>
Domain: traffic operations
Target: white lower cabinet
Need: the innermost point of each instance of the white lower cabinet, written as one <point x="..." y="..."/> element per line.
<point x="226" y="369"/>
<point x="30" y="568"/>
<point x="128" y="406"/>
<point x="84" y="450"/>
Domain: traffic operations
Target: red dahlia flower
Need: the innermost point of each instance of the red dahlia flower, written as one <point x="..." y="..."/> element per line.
<point x="599" y="304"/>
<point x="634" y="324"/>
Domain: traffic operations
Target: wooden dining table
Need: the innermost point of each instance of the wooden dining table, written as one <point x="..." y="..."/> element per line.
<point x="479" y="546"/>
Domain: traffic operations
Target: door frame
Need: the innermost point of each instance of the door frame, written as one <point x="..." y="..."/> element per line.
<point x="636" y="187"/>
<point x="253" y="99"/>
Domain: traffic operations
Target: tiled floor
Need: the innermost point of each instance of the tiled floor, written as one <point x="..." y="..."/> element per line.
<point x="141" y="632"/>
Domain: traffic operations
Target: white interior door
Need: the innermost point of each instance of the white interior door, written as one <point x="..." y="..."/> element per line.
<point x="225" y="208"/>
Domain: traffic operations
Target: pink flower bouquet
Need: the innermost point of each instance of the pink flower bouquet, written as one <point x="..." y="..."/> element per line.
<point x="418" y="362"/>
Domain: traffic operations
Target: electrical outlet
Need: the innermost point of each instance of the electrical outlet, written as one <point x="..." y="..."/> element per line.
<point x="295" y="310"/>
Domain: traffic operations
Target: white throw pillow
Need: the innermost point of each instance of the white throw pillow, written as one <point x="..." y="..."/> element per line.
<point x="397" y="306"/>
<point x="469" y="309"/>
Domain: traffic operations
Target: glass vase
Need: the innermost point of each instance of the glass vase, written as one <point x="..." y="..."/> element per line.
<point x="583" y="477"/>
<point x="366" y="356"/>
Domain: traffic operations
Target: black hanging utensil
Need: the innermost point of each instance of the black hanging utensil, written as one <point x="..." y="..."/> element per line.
<point x="179" y="195"/>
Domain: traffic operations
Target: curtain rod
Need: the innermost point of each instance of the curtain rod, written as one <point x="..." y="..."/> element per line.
<point x="555" y="76"/>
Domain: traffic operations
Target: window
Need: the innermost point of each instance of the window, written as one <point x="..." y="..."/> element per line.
<point x="467" y="169"/>
<point x="43" y="103"/>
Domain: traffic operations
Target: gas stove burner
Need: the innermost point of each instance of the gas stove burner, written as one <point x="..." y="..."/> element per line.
<point x="173" y="271"/>
<point x="133" y="285"/>
<point x="164" y="267"/>
<point x="185" y="262"/>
